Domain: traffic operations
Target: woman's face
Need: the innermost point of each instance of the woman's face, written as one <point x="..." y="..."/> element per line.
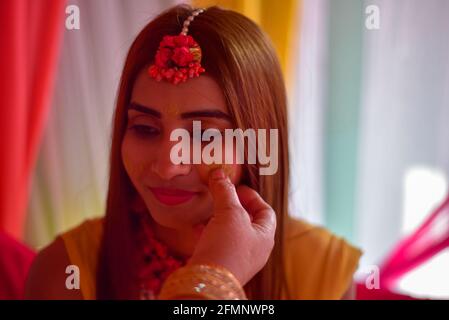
<point x="176" y="195"/>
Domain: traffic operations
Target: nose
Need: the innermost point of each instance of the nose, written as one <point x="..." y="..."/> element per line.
<point x="162" y="165"/>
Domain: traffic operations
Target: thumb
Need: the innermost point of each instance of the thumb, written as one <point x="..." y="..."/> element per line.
<point x="223" y="192"/>
<point x="261" y="213"/>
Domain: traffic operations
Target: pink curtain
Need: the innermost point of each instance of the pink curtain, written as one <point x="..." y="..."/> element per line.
<point x="428" y="240"/>
<point x="30" y="37"/>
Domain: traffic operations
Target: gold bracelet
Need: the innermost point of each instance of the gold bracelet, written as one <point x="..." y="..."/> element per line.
<point x="204" y="281"/>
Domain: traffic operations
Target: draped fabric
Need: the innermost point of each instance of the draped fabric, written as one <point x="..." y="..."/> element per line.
<point x="428" y="240"/>
<point x="15" y="261"/>
<point x="30" y="38"/>
<point x="402" y="123"/>
<point x="369" y="110"/>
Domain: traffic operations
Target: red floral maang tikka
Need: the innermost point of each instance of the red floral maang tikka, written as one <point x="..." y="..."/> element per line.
<point x="178" y="58"/>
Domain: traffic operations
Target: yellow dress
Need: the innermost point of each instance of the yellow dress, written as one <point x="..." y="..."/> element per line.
<point x="319" y="265"/>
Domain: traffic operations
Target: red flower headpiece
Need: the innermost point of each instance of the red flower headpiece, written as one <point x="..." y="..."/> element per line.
<point x="178" y="58"/>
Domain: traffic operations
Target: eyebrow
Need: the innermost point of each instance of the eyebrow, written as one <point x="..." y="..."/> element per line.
<point x="206" y="114"/>
<point x="212" y="113"/>
<point x="144" y="109"/>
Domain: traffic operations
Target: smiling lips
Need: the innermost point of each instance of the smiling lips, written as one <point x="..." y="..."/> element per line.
<point x="172" y="197"/>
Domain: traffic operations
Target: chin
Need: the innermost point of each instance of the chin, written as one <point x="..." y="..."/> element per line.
<point x="179" y="218"/>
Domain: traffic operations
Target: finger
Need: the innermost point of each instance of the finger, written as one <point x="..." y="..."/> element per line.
<point x="223" y="192"/>
<point x="261" y="212"/>
<point x="250" y="199"/>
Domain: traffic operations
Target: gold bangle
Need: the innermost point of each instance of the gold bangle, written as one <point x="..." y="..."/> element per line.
<point x="204" y="281"/>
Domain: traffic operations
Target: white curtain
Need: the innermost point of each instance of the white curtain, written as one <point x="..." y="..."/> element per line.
<point x="402" y="151"/>
<point x="404" y="128"/>
<point x="306" y="112"/>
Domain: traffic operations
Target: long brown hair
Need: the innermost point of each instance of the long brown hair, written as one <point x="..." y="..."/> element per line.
<point x="241" y="58"/>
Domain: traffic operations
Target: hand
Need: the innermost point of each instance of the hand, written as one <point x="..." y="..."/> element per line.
<point x="240" y="234"/>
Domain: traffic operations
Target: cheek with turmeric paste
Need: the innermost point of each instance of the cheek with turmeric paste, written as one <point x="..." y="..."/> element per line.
<point x="231" y="170"/>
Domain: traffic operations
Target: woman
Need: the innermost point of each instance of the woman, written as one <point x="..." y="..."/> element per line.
<point x="171" y="228"/>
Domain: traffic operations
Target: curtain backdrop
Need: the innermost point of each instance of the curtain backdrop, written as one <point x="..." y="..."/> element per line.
<point x="403" y="126"/>
<point x="370" y="131"/>
<point x="30" y="35"/>
<point x="368" y="113"/>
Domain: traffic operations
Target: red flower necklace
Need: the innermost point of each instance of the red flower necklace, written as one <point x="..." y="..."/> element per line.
<point x="178" y="58"/>
<point x="158" y="262"/>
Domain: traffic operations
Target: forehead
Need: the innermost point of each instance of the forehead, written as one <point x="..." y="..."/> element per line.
<point x="194" y="94"/>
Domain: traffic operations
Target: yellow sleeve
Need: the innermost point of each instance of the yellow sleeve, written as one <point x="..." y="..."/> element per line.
<point x="319" y="264"/>
<point x="82" y="245"/>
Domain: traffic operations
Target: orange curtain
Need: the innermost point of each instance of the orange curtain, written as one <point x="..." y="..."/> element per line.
<point x="30" y="37"/>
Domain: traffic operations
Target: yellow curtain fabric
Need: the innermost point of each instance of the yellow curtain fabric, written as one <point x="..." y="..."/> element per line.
<point x="279" y="19"/>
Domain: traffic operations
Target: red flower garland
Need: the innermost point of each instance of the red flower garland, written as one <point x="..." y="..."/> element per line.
<point x="177" y="59"/>
<point x="157" y="261"/>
